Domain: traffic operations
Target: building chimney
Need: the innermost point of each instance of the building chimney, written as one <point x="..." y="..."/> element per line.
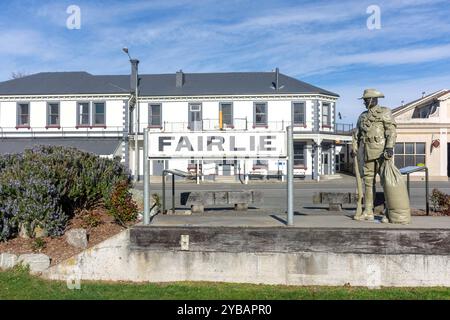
<point x="134" y="82"/>
<point x="179" y="79"/>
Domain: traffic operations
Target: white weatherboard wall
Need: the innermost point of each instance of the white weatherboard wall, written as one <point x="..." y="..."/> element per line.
<point x="112" y="260"/>
<point x="175" y="119"/>
<point x="177" y="111"/>
<point x="68" y="113"/>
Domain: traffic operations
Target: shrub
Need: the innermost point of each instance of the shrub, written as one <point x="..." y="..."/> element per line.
<point x="44" y="185"/>
<point x="38" y="244"/>
<point x="122" y="206"/>
<point x="440" y="201"/>
<point x="91" y="219"/>
<point x="8" y="215"/>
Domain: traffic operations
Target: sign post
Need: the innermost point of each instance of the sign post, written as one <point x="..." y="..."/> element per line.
<point x="146" y="179"/>
<point x="290" y="177"/>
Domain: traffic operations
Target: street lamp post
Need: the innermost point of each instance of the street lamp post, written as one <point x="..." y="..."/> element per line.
<point x="135" y="85"/>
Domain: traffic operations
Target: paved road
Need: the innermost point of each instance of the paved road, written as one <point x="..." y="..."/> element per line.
<point x="275" y="192"/>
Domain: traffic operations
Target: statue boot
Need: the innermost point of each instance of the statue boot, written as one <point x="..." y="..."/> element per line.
<point x="368" y="207"/>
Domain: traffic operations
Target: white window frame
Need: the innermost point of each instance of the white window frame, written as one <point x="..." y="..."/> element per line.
<point x="151" y="116"/>
<point x="49" y="114"/>
<point x="19" y="114"/>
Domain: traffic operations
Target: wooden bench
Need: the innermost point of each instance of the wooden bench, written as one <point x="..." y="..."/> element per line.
<point x="240" y="199"/>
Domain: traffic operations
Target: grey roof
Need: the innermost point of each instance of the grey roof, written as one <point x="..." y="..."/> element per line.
<point x="60" y="83"/>
<point x="100" y="146"/>
<point x="233" y="83"/>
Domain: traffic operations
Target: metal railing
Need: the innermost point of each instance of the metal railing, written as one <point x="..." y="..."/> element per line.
<point x="343" y="127"/>
<point x="50" y="132"/>
<point x="243" y="124"/>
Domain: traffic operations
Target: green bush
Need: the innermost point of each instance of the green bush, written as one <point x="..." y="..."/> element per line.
<point x="122" y="206"/>
<point x="44" y="185"/>
<point x="440" y="201"/>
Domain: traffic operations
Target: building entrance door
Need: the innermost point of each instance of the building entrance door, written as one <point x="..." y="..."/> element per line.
<point x="226" y="168"/>
<point x="158" y="167"/>
<point x="326" y="163"/>
<point x="195" y="117"/>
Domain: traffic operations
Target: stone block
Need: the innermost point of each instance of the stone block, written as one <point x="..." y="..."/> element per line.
<point x="334" y="197"/>
<point x="7" y="261"/>
<point x="239" y="197"/>
<point x="241" y="206"/>
<point x="77" y="238"/>
<point x="257" y="197"/>
<point x="197" y="208"/>
<point x="221" y="197"/>
<point x="334" y="207"/>
<point x="197" y="197"/>
<point x="37" y="262"/>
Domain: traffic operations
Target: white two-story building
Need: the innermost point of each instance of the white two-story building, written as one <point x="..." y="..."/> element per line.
<point x="97" y="114"/>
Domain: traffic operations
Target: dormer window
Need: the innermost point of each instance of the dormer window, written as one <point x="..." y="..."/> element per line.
<point x="425" y="111"/>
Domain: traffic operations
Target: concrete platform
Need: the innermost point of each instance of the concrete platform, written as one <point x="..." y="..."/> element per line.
<point x="263" y="233"/>
<point x="258" y="248"/>
<point x="262" y="219"/>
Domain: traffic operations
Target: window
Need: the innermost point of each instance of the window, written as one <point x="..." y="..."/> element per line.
<point x="99" y="114"/>
<point x="299" y="153"/>
<point x="326" y="119"/>
<point x="409" y="154"/>
<point x="53" y="114"/>
<point x="154" y="115"/>
<point x="260" y="114"/>
<point x="83" y="114"/>
<point x="299" y="113"/>
<point x="425" y="112"/>
<point x="23" y="115"/>
<point x="227" y="114"/>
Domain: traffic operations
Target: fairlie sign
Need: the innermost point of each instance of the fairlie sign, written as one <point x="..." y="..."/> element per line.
<point x="218" y="144"/>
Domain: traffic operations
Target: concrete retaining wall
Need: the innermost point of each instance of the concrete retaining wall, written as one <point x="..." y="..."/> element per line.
<point x="114" y="260"/>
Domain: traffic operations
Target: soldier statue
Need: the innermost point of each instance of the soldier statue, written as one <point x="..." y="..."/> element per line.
<point x="376" y="132"/>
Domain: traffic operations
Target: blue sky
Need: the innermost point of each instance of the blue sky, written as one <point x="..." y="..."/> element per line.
<point x="326" y="43"/>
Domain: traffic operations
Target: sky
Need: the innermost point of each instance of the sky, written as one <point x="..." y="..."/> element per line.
<point x="340" y="46"/>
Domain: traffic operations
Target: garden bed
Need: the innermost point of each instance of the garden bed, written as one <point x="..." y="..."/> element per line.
<point x="420" y="212"/>
<point x="47" y="191"/>
<point x="57" y="248"/>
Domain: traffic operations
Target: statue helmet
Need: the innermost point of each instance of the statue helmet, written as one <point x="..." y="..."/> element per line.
<point x="372" y="93"/>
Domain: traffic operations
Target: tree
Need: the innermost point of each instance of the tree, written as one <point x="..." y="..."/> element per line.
<point x="18" y="75"/>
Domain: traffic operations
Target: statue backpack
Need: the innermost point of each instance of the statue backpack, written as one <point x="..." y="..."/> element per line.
<point x="395" y="193"/>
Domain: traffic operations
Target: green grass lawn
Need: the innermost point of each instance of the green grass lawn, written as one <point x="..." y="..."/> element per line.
<point x="17" y="284"/>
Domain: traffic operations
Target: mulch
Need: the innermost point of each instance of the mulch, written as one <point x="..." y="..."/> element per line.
<point x="420" y="212"/>
<point x="57" y="248"/>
